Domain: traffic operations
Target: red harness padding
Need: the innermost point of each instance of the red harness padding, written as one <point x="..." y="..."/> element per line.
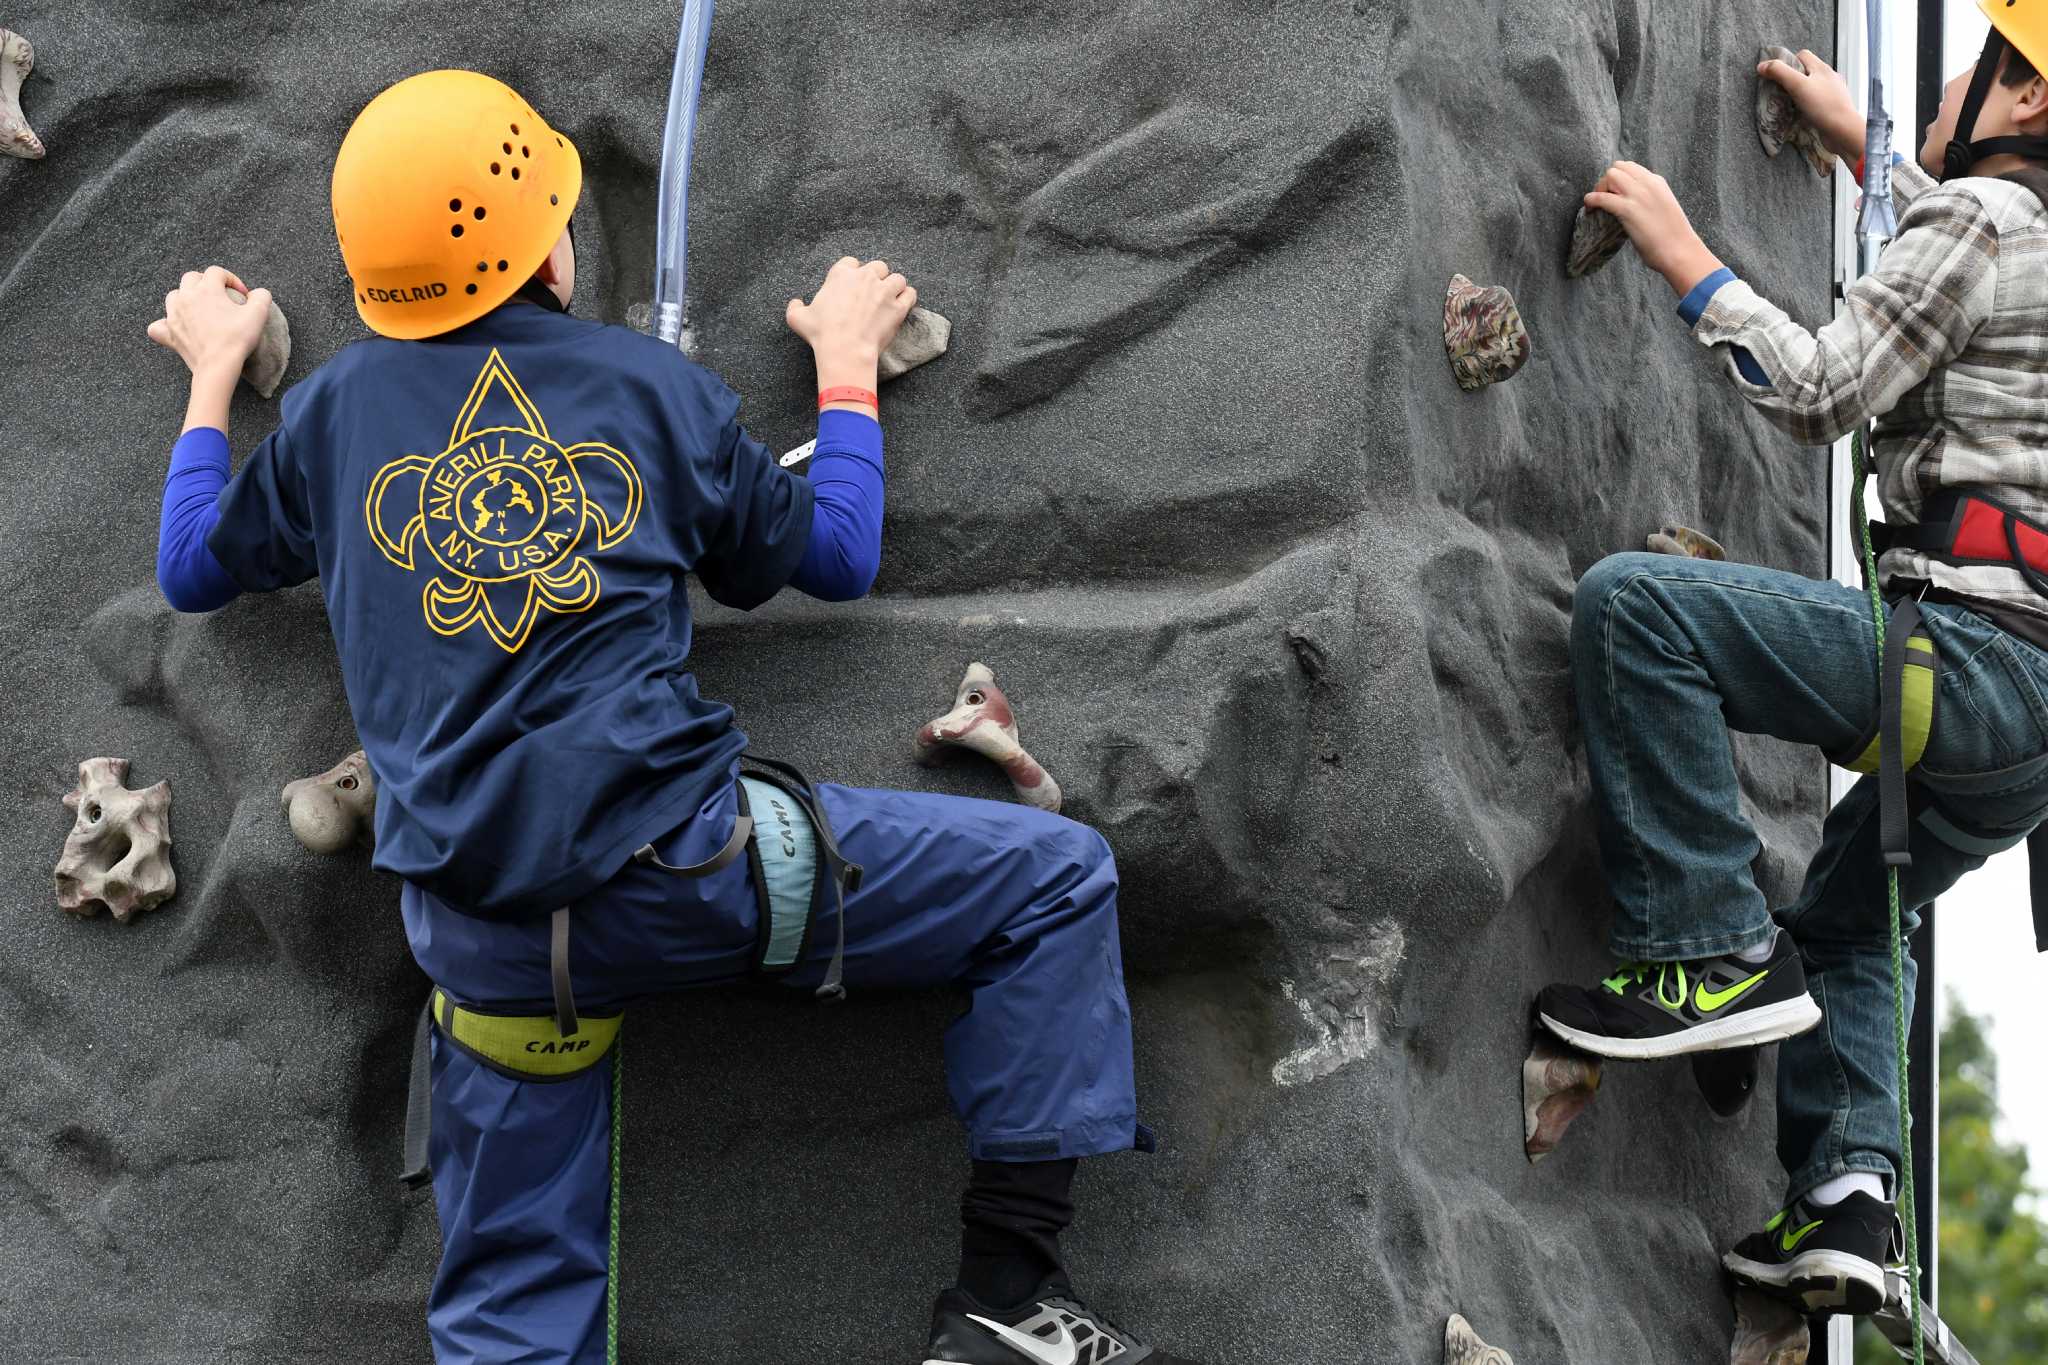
<point x="1964" y="527"/>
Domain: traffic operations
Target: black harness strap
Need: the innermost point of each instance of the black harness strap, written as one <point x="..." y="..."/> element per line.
<point x="558" y="968"/>
<point x="419" y="1103"/>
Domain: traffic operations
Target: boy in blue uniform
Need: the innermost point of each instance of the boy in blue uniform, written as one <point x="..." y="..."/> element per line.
<point x="501" y="502"/>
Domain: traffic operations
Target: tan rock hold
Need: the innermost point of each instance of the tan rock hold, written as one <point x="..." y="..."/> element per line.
<point x="17" y="59"/>
<point x="981" y="721"/>
<point x="330" y="812"/>
<point x="1462" y="1346"/>
<point x="118" y="854"/>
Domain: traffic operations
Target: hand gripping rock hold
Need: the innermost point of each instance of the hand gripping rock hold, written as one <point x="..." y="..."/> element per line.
<point x="118" y="854"/>
<point x="1462" y="1346"/>
<point x="332" y="811"/>
<point x="1483" y="334"/>
<point x="981" y="720"/>
<point x="1779" y="124"/>
<point x="17" y="59"/>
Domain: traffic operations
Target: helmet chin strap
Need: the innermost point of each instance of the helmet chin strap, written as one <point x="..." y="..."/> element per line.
<point x="1961" y="153"/>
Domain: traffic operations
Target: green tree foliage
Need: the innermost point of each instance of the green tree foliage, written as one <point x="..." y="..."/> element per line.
<point x="1994" y="1245"/>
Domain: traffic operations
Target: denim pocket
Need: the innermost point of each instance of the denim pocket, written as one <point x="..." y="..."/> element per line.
<point x="1986" y="709"/>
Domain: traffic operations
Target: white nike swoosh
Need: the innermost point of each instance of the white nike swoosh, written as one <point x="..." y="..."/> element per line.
<point x="1062" y="1352"/>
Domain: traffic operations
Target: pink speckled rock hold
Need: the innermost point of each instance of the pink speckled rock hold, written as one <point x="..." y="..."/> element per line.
<point x="1768" y="1332"/>
<point x="17" y="59"/>
<point x="1596" y="236"/>
<point x="1779" y="124"/>
<point x="1462" y="1346"/>
<point x="118" y="855"/>
<point x="1683" y="540"/>
<point x="1483" y="333"/>
<point x="1558" y="1083"/>
<point x="981" y="720"/>
<point x="332" y="811"/>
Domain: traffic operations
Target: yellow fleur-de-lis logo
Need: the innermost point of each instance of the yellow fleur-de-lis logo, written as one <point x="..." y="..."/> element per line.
<point x="506" y="513"/>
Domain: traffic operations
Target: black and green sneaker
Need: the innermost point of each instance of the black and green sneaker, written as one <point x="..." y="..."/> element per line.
<point x="1828" y="1258"/>
<point x="1667" y="1009"/>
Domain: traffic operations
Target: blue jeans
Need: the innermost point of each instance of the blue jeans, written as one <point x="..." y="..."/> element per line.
<point x="1668" y="655"/>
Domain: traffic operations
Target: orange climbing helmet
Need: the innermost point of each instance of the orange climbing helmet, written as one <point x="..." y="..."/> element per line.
<point x="449" y="192"/>
<point x="2024" y="24"/>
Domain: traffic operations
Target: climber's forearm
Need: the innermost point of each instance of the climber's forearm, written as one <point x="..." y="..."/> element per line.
<point x="186" y="570"/>
<point x="213" y="389"/>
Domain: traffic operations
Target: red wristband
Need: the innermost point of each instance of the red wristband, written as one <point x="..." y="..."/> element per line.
<point x="848" y="394"/>
<point x="1859" y="169"/>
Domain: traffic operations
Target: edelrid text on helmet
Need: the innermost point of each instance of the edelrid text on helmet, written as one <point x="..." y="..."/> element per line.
<point x="449" y="191"/>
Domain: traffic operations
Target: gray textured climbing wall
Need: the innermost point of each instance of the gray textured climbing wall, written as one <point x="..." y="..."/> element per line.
<point x="1281" y="607"/>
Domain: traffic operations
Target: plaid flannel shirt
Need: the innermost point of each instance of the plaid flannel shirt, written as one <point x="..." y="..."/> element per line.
<point x="1945" y="345"/>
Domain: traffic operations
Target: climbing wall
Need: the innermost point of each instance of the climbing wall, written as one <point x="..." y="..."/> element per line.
<point x="1281" y="607"/>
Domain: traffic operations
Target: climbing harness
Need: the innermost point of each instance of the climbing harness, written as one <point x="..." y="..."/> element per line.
<point x="672" y="207"/>
<point x="780" y="828"/>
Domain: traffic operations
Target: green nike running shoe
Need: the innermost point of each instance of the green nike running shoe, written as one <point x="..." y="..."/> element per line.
<point x="1827" y="1258"/>
<point x="1668" y="1009"/>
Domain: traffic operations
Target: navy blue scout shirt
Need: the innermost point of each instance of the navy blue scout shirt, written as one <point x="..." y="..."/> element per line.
<point x="501" y="519"/>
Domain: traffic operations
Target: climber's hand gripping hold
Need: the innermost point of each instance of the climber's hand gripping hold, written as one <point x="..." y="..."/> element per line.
<point x="213" y="321"/>
<point x="1663" y="236"/>
<point x="1824" y="101"/>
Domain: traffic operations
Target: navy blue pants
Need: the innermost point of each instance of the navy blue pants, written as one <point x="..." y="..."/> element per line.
<point x="1016" y="905"/>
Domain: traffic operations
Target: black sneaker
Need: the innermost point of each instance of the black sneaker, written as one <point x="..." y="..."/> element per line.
<point x="1667" y="1009"/>
<point x="1827" y="1258"/>
<point x="1050" y="1328"/>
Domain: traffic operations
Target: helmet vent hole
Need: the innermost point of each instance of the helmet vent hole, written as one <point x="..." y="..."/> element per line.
<point x="508" y="149"/>
<point x="455" y="231"/>
<point x="526" y="151"/>
<point x="504" y="265"/>
<point x="455" y="206"/>
<point x="482" y="266"/>
<point x="479" y="213"/>
<point x="554" y="199"/>
<point x="559" y="142"/>
<point x="496" y="169"/>
<point x="515" y="172"/>
<point x="469" y="289"/>
<point x="515" y="130"/>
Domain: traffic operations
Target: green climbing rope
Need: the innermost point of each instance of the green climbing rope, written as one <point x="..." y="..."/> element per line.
<point x="611" y="1278"/>
<point x="1907" y="1210"/>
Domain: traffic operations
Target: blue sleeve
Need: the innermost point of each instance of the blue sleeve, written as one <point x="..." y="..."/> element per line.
<point x="264" y="538"/>
<point x="845" y="548"/>
<point x="764" y="519"/>
<point x="1694" y="305"/>
<point x="190" y="577"/>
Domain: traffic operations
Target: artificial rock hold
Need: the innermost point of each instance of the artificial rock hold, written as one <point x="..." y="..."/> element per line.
<point x="1779" y="124"/>
<point x="1683" y="540"/>
<point x="981" y="720"/>
<point x="330" y="812"/>
<point x="1462" y="1346"/>
<point x="118" y="854"/>
<point x="1483" y="333"/>
<point x="1596" y="236"/>
<point x="1767" y="1331"/>
<point x="923" y="336"/>
<point x="264" y="370"/>
<point x="17" y="59"/>
<point x="1558" y="1083"/>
